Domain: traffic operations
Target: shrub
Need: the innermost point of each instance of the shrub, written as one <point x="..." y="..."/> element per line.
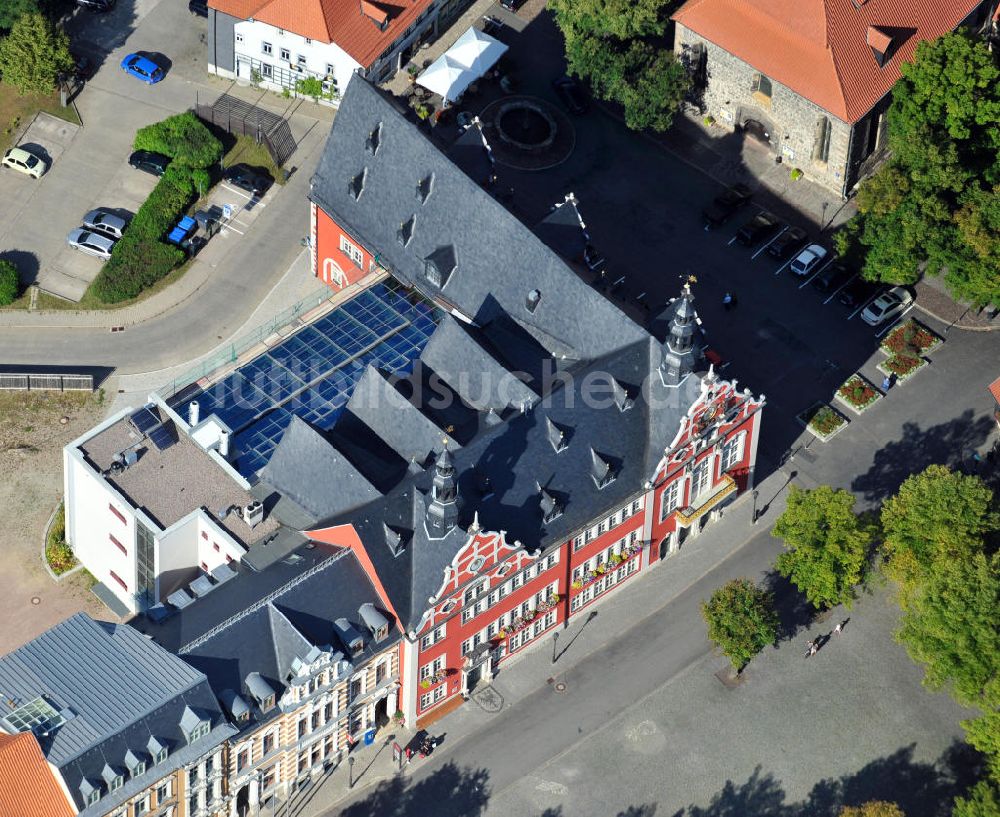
<point x="58" y="553"/>
<point x="796" y="174"/>
<point x="901" y="365"/>
<point x="709" y="120"/>
<point x="34" y="54"/>
<point x="10" y="283"/>
<point x="184" y="138"/>
<point x="310" y="86"/>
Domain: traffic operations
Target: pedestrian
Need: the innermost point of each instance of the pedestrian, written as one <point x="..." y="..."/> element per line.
<point x="837" y="630"/>
<point x="810" y="648"/>
<point x="814" y="648"/>
<point x="886" y="383"/>
<point x="727" y="301"/>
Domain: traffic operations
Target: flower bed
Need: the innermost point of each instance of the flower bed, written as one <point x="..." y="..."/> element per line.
<point x="592" y="576"/>
<point x="910" y="340"/>
<point x="902" y="366"/>
<point x="858" y="394"/>
<point x="822" y="420"/>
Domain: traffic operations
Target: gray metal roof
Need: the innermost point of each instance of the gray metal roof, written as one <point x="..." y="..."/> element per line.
<point x="119" y="693"/>
<point x="306" y="469"/>
<point x="497" y="260"/>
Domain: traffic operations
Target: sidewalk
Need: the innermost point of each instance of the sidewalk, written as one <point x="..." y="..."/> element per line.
<point x="534" y="670"/>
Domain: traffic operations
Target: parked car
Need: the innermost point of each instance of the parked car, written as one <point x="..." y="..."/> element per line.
<point x="571" y="94"/>
<point x="887" y="306"/>
<point x="725" y="204"/>
<point x="149" y="162"/>
<point x="511" y="5"/>
<point x="832" y="277"/>
<point x="807" y="260"/>
<point x="91" y="243"/>
<point x="857" y="292"/>
<point x="105" y="222"/>
<point x="99" y="6"/>
<point x="254" y="180"/>
<point x="142" y="68"/>
<point x="25" y="162"/>
<point x="760" y="228"/>
<point x="199" y="7"/>
<point x="787" y="243"/>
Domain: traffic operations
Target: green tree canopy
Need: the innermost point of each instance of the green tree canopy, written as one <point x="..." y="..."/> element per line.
<point x="34" y="54"/>
<point x="936" y="205"/>
<point x="10" y="283"/>
<point x="873" y="808"/>
<point x="828" y="544"/>
<point x="741" y="620"/>
<point x="983" y="732"/>
<point x="982" y="800"/>
<point x="12" y="10"/>
<point x="619" y="47"/>
<point x="937" y="513"/>
<point x="950" y="626"/>
<point x="184" y="138"/>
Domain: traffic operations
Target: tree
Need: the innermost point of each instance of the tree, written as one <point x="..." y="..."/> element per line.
<point x="12" y="10"/>
<point x="982" y="800"/>
<point x="10" y="283"/>
<point x="619" y="47"/>
<point x="983" y="733"/>
<point x="937" y="513"/>
<point x="828" y="544"/>
<point x="873" y="808"/>
<point x="935" y="205"/>
<point x="34" y="55"/>
<point x="741" y="620"/>
<point x="950" y="626"/>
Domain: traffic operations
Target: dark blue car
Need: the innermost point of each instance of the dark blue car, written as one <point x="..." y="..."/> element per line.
<point x="142" y="68"/>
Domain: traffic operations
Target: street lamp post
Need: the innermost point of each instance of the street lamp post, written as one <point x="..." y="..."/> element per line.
<point x="555" y="642"/>
<point x="350" y="771"/>
<point x="753" y="518"/>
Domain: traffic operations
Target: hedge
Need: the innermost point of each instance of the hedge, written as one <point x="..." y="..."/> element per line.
<point x="184" y="138"/>
<point x="141" y="258"/>
<point x="10" y="283"/>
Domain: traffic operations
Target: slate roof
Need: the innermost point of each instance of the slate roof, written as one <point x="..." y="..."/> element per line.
<point x="825" y="50"/>
<point x="28" y="787"/>
<point x="562" y="230"/>
<point x="260" y="622"/>
<point x="306" y="469"/>
<point x="115" y="690"/>
<point x="497" y="262"/>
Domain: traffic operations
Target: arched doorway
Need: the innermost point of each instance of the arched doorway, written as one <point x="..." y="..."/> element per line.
<point x="757" y="130"/>
<point x="243" y="801"/>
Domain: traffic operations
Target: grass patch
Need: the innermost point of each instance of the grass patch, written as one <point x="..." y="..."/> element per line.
<point x="247" y="151"/>
<point x="58" y="553"/>
<point x="17" y="110"/>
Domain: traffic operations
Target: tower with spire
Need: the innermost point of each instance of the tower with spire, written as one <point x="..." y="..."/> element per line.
<point x="442" y="511"/>
<point x="684" y="347"/>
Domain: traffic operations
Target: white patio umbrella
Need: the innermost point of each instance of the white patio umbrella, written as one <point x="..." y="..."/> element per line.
<point x="477" y="51"/>
<point x="446" y="77"/>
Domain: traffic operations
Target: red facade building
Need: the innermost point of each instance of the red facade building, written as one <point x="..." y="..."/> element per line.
<point x="557" y="449"/>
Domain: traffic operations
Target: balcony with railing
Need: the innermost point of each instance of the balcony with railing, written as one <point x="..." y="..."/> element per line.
<point x="707" y="501"/>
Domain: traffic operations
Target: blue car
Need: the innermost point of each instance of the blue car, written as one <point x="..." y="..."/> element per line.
<point x="142" y="68"/>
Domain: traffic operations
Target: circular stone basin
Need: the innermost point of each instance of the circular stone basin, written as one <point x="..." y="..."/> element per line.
<point x="525" y="125"/>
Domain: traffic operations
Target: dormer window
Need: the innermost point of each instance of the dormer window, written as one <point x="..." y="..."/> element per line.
<point x="357" y="184"/>
<point x="556" y="435"/>
<point x="374" y="139"/>
<point x="136" y="766"/>
<point x="374" y="620"/>
<point x="551" y="508"/>
<point x="531" y="302"/>
<point x="405" y="231"/>
<point x="621" y="396"/>
<point x="424" y="187"/>
<point x="116" y="783"/>
<point x="440" y="264"/>
<point x="601" y="470"/>
<point x="267" y="703"/>
<point x="93" y="797"/>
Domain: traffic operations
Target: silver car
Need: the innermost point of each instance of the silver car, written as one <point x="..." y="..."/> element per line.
<point x="91" y="243"/>
<point x="887" y="305"/>
<point x="807" y="260"/>
<point x="105" y="222"/>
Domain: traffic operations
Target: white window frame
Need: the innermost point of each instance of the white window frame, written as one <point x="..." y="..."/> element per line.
<point x="266" y="48"/>
<point x="352" y="251"/>
<point x="732" y="451"/>
<point x="284" y="55"/>
<point x="670" y="498"/>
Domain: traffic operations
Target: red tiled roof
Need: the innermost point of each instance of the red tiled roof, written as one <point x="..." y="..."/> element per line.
<point x="350" y="24"/>
<point x="28" y="787"/>
<point x="995" y="389"/>
<point x="820" y="48"/>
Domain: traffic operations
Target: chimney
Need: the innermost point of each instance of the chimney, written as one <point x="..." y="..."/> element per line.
<point x="253" y="514"/>
<point x="224" y="444"/>
<point x="194" y="413"/>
